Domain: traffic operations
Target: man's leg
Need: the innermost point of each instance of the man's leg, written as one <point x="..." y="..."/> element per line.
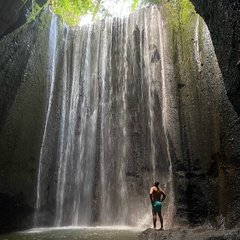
<point x="154" y="219"/>
<point x="161" y="219"/>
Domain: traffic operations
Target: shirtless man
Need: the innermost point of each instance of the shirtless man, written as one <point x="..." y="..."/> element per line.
<point x="157" y="196"/>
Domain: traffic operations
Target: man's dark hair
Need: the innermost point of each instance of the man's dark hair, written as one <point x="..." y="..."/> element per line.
<point x="156" y="184"/>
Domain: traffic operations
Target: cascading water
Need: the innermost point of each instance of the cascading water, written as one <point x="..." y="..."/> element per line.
<point x="53" y="33"/>
<point x="113" y="133"/>
<point x="107" y="149"/>
<point x="112" y="86"/>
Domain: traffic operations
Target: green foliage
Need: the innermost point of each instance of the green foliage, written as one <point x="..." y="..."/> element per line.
<point x="183" y="4"/>
<point x="134" y="4"/>
<point x="72" y="10"/>
<point x="143" y="3"/>
<point x="35" y="11"/>
<point x="183" y="12"/>
<point x="99" y="11"/>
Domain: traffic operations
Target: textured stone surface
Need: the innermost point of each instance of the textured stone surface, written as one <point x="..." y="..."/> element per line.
<point x="22" y="106"/>
<point x="13" y="14"/>
<point x="222" y="18"/>
<point x="14" y="212"/>
<point x="189" y="234"/>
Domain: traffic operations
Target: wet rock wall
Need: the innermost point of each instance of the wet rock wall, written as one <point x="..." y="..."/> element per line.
<point x="222" y="18"/>
<point x="23" y="103"/>
<point x="202" y="125"/>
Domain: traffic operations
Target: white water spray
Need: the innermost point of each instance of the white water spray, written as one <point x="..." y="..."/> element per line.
<point x="111" y="74"/>
<point x="53" y="34"/>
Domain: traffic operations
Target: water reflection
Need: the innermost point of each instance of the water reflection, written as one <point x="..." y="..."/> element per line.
<point x="78" y="233"/>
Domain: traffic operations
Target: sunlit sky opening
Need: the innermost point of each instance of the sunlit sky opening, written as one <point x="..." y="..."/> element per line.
<point x="116" y="8"/>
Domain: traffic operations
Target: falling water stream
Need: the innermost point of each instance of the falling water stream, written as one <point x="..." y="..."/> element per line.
<point x="52" y="70"/>
<point x="111" y="72"/>
<point x="111" y="84"/>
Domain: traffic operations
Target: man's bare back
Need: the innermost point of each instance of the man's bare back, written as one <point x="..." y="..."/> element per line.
<point x="156" y="193"/>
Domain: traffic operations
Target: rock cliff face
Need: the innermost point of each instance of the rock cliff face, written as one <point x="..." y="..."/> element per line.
<point x="222" y="18"/>
<point x="189" y="234"/>
<point x="13" y="14"/>
<point x="21" y="121"/>
<point x="195" y="124"/>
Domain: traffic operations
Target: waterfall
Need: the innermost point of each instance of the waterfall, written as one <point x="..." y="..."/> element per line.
<point x="112" y="171"/>
<point x="113" y="84"/>
<point x="109" y="119"/>
<point x="53" y="33"/>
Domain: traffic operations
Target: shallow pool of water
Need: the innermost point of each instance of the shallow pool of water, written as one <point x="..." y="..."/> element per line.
<point x="88" y="233"/>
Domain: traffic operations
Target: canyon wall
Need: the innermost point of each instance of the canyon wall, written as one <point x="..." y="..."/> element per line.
<point x="23" y="62"/>
<point x="222" y="18"/>
<point x="180" y="126"/>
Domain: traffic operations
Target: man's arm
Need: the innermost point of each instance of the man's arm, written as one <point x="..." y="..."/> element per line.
<point x="163" y="195"/>
<point x="151" y="191"/>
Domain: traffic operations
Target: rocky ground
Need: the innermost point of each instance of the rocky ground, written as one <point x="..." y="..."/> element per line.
<point x="190" y="234"/>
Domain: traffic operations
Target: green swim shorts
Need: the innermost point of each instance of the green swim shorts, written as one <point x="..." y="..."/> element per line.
<point x="156" y="206"/>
